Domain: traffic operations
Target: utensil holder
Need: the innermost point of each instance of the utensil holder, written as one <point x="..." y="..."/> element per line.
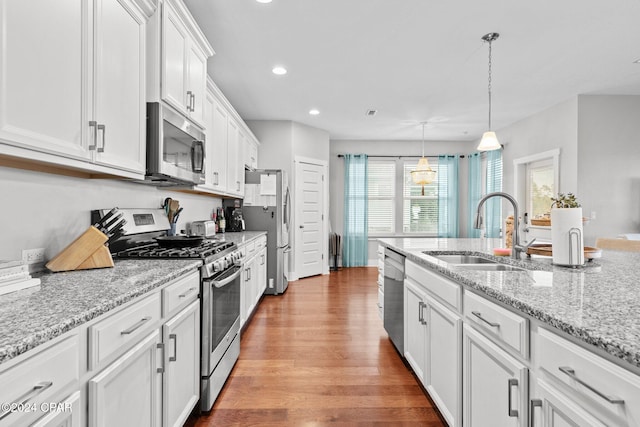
<point x="567" y="236"/>
<point x="86" y="252"/>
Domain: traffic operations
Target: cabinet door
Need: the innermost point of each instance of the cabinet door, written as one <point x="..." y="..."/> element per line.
<point x="68" y="413"/>
<point x="43" y="69"/>
<point x="552" y="408"/>
<point x="119" y="86"/>
<point x="175" y="39"/>
<point x="262" y="274"/>
<point x="233" y="161"/>
<point x="128" y="392"/>
<point x="196" y="87"/>
<point x="495" y="387"/>
<point x="443" y="364"/>
<point x="220" y="147"/>
<point x="181" y="387"/>
<point x="415" y="332"/>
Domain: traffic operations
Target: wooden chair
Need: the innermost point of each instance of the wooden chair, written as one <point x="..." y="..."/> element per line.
<point x="618" y="244"/>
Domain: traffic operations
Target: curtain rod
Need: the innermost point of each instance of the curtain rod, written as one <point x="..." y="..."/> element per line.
<point x="406" y="157"/>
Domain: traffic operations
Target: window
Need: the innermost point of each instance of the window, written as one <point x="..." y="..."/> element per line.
<point x="540" y="187"/>
<point x="396" y="204"/>
<point x="382" y="192"/>
<point x="419" y="213"/>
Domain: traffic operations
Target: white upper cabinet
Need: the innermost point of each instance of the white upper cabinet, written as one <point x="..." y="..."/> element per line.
<point x="73" y="75"/>
<point x="184" y="61"/>
<point x="119" y="78"/>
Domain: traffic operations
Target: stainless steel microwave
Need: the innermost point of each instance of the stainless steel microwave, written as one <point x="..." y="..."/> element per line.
<point x="175" y="148"/>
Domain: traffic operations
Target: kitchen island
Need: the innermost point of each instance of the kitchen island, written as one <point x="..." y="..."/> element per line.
<point x="525" y="340"/>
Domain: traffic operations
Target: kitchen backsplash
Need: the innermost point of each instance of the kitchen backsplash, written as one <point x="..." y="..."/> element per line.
<point x="48" y="211"/>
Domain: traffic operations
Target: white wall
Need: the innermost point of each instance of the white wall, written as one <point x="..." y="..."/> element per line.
<point x="48" y="211"/>
<point x="281" y="142"/>
<point x="388" y="148"/>
<point x="609" y="164"/>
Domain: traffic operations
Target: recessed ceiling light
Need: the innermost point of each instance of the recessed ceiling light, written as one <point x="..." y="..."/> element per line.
<point x="314" y="112"/>
<point x="263" y="1"/>
<point x="280" y="71"/>
<point x="371" y="112"/>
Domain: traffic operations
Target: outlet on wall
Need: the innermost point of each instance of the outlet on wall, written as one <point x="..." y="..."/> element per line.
<point x="33" y="256"/>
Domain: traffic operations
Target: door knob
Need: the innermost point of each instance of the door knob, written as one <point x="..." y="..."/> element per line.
<point x="302" y="226"/>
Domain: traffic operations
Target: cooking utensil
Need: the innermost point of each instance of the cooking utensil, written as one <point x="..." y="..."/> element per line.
<point x="179" y="241"/>
<point x="176" y="215"/>
<point x="116" y="227"/>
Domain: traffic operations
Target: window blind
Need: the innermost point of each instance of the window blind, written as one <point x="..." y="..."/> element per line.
<point x="420" y="213"/>
<point x="382" y="193"/>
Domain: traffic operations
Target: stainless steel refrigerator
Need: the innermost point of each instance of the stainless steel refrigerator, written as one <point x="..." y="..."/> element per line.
<point x="267" y="207"/>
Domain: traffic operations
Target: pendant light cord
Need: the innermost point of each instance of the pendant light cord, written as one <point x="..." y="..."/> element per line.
<point x="422" y="139"/>
<point x="489" y="86"/>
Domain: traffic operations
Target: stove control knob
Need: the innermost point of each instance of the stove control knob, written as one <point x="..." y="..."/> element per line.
<point x="218" y="265"/>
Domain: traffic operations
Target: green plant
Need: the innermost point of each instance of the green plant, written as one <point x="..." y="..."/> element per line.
<point x="565" y="201"/>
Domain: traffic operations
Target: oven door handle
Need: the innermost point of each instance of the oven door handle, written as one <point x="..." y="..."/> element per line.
<point x="222" y="283"/>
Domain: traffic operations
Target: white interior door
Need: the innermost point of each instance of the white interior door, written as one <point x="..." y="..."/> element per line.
<point x="309" y="218"/>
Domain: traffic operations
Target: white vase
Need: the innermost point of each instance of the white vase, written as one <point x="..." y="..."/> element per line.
<point x="567" y="237"/>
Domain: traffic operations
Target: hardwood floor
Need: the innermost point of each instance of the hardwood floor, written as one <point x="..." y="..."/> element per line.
<point x="318" y="355"/>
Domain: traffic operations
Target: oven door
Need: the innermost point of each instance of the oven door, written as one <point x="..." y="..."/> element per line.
<point x="220" y="315"/>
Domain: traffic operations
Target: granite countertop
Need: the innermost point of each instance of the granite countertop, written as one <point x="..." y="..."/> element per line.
<point x="63" y="301"/>
<point x="239" y="237"/>
<point x="599" y="304"/>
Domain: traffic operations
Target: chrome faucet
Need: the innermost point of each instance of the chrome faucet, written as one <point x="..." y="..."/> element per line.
<point x="517" y="247"/>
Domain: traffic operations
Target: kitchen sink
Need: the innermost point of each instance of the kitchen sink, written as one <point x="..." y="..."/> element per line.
<point x="489" y="267"/>
<point x="464" y="259"/>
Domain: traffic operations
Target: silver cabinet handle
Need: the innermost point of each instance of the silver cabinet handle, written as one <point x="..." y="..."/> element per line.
<point x="572" y="374"/>
<point x="535" y="403"/>
<point x="424" y="321"/>
<point x="132" y="329"/>
<point x="193" y="99"/>
<point x="238" y="182"/>
<point x="22" y="400"/>
<point x="186" y="293"/>
<point x="161" y="368"/>
<point x="217" y="182"/>
<point x="189" y="94"/>
<point x="512" y="412"/>
<point x="479" y="316"/>
<point x="103" y="128"/>
<point x="262" y="263"/>
<point x="421" y="313"/>
<point x="93" y="124"/>
<point x="174" y="337"/>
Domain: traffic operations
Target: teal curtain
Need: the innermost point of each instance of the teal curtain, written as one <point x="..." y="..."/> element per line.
<point x="355" y="248"/>
<point x="448" y="196"/>
<point x="494" y="183"/>
<point x="475" y="192"/>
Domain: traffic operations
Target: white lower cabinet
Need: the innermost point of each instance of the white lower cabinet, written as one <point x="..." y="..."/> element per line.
<point x="443" y="365"/>
<point x="415" y="334"/>
<point x="553" y="408"/>
<point x="67" y="413"/>
<point x="495" y="384"/>
<point x="254" y="277"/>
<point x="181" y="385"/>
<point x="128" y="392"/>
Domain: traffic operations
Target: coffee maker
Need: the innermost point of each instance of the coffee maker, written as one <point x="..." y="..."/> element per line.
<point x="235" y="220"/>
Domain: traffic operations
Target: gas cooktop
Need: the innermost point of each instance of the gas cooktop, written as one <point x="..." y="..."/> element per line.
<point x="205" y="250"/>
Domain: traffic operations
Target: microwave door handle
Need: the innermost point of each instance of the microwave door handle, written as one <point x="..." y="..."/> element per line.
<point x="197" y="152"/>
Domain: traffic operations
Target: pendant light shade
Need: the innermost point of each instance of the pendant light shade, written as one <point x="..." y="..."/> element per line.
<point x="423" y="174"/>
<point x="489" y="139"/>
<point x="489" y="142"/>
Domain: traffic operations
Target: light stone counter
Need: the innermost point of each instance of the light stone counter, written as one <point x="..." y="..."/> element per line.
<point x="64" y="301"/>
<point x="598" y="304"/>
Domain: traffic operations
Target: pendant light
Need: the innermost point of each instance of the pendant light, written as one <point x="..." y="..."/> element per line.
<point x="423" y="174"/>
<point x="489" y="139"/>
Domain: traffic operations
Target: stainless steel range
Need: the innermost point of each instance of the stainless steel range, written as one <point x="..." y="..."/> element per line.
<point x="144" y="237"/>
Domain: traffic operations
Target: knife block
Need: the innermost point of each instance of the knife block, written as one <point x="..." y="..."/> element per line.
<point x="86" y="252"/>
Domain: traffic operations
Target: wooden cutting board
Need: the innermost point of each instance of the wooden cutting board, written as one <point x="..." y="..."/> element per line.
<point x="546" y="250"/>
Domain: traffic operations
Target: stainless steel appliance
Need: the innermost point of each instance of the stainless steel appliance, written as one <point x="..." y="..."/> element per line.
<point x="203" y="228"/>
<point x="269" y="209"/>
<point x="219" y="293"/>
<point x="235" y="219"/>
<point x="175" y="148"/>
<point x="394" y="298"/>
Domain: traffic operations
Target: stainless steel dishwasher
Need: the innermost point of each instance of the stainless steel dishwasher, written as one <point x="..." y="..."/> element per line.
<point x="394" y="298"/>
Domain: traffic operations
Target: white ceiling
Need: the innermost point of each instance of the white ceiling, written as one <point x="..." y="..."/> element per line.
<point x="416" y="60"/>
